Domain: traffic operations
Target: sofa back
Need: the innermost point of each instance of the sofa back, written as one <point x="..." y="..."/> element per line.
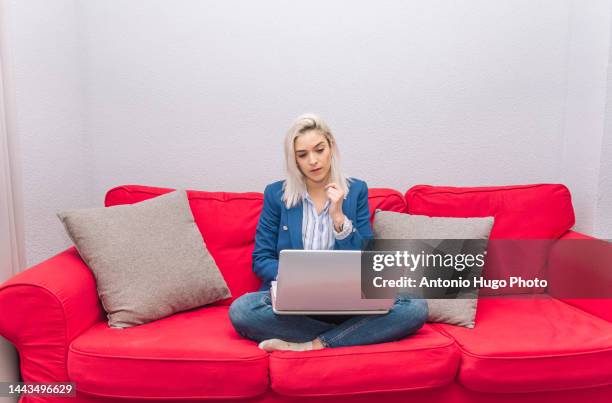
<point x="228" y="221"/>
<point x="523" y="212"/>
<point x="540" y="211"/>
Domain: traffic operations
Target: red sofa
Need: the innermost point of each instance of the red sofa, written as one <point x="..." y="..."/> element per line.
<point x="521" y="350"/>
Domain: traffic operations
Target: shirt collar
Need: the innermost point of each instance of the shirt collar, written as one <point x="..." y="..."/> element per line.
<point x="308" y="199"/>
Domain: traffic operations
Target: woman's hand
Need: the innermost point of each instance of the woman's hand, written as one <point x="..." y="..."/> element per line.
<point x="336" y="196"/>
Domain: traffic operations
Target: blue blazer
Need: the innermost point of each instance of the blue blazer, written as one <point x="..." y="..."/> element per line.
<point x="281" y="228"/>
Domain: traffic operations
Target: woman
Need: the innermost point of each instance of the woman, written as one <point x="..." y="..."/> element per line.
<point x="316" y="207"/>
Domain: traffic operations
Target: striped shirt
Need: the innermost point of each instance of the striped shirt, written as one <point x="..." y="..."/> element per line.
<point x="318" y="230"/>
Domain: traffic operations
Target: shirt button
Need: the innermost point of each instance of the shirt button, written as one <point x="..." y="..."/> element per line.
<point x="285" y="228"/>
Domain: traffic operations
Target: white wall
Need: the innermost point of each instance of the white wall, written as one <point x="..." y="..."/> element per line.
<point x="417" y="92"/>
<point x="603" y="227"/>
<point x="12" y="248"/>
<point x="54" y="147"/>
<point x="584" y="169"/>
<point x="9" y="371"/>
<point x="199" y="94"/>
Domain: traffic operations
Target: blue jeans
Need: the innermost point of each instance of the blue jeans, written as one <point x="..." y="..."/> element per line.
<point x="252" y="317"/>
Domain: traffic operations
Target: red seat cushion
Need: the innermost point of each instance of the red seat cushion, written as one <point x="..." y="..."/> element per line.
<point x="426" y="359"/>
<point x="228" y="221"/>
<point x="532" y="344"/>
<point x="191" y="354"/>
<point x="523" y="212"/>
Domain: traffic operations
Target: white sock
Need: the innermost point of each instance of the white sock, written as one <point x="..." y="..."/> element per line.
<point x="278" y="344"/>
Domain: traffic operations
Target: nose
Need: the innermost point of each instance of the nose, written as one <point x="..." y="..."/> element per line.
<point x="312" y="159"/>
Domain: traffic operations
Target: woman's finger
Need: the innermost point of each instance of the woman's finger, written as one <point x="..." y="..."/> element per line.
<point x="333" y="193"/>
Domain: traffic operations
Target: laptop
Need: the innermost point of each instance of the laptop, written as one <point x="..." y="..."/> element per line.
<point x="322" y="282"/>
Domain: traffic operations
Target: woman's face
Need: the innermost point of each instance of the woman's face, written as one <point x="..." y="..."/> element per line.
<point x="313" y="156"/>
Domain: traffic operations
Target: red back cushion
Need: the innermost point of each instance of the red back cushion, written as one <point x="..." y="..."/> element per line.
<point x="228" y="221"/>
<point x="540" y="211"/>
<point x="521" y="212"/>
<point x="386" y="200"/>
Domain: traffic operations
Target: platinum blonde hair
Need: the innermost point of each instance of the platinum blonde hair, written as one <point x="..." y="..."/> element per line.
<point x="294" y="188"/>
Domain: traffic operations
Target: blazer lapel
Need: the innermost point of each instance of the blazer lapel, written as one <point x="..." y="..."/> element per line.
<point x="294" y="216"/>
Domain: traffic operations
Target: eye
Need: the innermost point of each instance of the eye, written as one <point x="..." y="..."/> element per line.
<point x="301" y="155"/>
<point x="320" y="150"/>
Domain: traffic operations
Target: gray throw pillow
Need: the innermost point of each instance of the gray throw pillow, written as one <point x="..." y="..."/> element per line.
<point x="392" y="225"/>
<point x="149" y="259"/>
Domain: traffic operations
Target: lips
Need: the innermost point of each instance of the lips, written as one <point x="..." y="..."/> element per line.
<point x="315" y="170"/>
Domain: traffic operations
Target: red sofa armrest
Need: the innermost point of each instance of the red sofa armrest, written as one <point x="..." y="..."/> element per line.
<point x="44" y="308"/>
<point x="577" y="270"/>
